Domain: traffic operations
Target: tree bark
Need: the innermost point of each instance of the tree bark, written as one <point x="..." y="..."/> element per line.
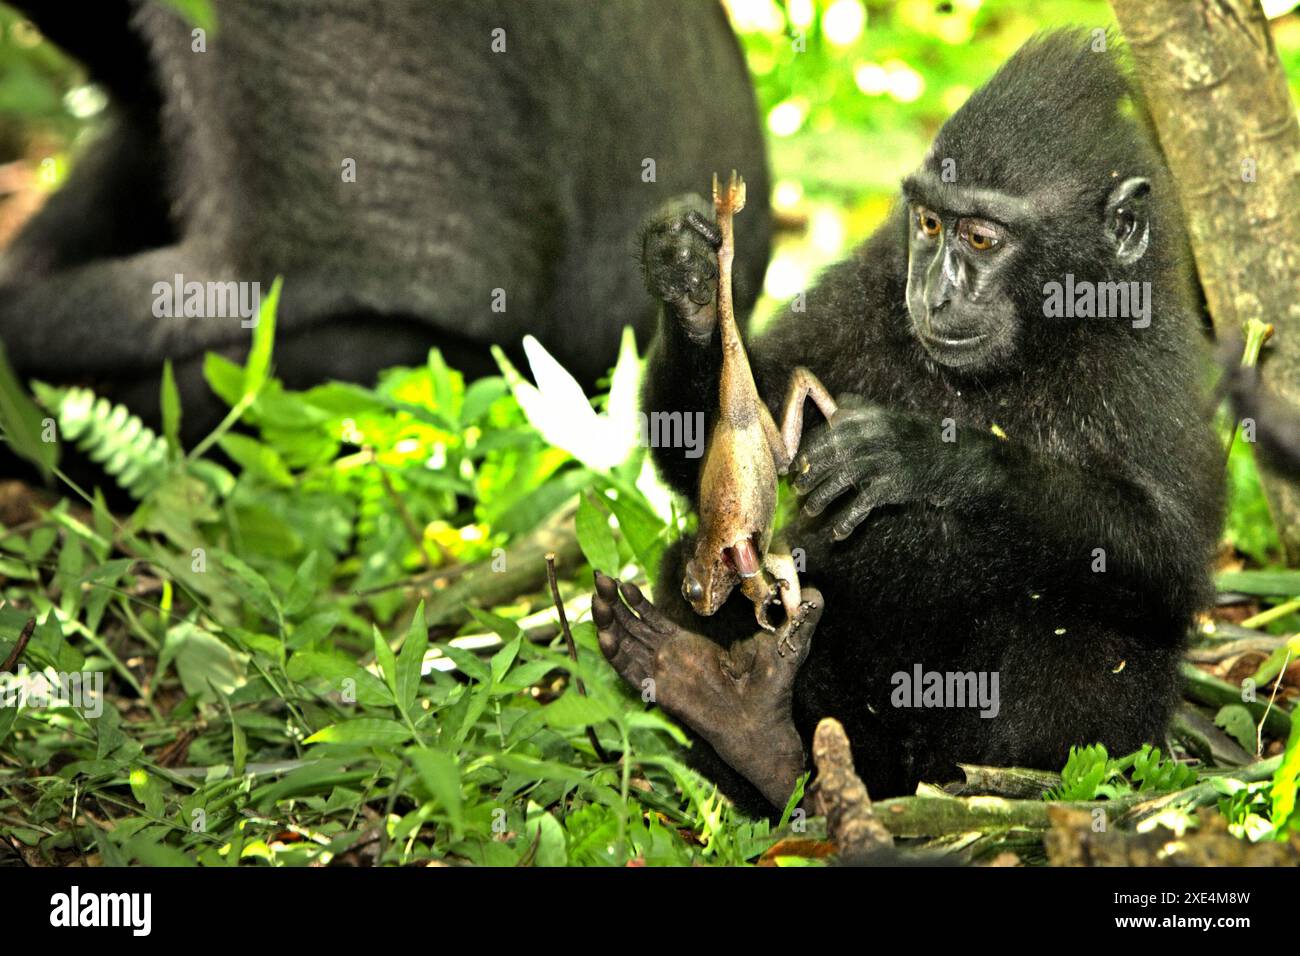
<point x="1219" y="99"/>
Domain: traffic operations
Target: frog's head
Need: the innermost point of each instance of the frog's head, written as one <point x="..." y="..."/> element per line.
<point x="712" y="574"/>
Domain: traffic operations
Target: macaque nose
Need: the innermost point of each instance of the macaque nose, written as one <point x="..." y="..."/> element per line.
<point x="692" y="589"/>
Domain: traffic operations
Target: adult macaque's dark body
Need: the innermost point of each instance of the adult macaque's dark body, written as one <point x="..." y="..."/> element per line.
<point x="984" y="553"/>
<point x="475" y="171"/>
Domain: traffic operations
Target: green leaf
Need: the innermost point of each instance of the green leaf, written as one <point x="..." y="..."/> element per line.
<point x="1272" y="665"/>
<point x="655" y="720"/>
<point x="530" y="510"/>
<point x="7" y="717"/>
<point x="469" y="663"/>
<point x="503" y="627"/>
<point x="224" y="377"/>
<point x="238" y="741"/>
<point x="504" y="658"/>
<point x="386" y="660"/>
<point x="146" y="790"/>
<point x="206" y="666"/>
<point x="574" y="710"/>
<point x="169" y="398"/>
<point x="1238" y="724"/>
<point x="1279" y="583"/>
<point x="252" y="587"/>
<point x="197" y="13"/>
<point x="150" y="852"/>
<point x="440" y="775"/>
<point x="20" y="422"/>
<point x="363" y="731"/>
<point x="314" y="777"/>
<point x="410" y="662"/>
<point x="257" y="459"/>
<point x="1157" y="775"/>
<point x="1286" y="781"/>
<point x="336" y="669"/>
<point x="476" y="702"/>
<point x="304" y="587"/>
<point x="444" y="394"/>
<point x="258" y="367"/>
<point x="479" y="397"/>
<point x="541" y="827"/>
<point x="1084" y="771"/>
<point x="533" y="768"/>
<point x="642" y="530"/>
<point x="596" y="538"/>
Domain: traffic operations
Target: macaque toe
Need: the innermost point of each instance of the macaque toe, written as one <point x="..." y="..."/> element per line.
<point x="625" y="651"/>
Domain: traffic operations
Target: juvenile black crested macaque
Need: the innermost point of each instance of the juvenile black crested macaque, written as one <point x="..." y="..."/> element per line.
<point x="497" y="145"/>
<point x="1002" y="496"/>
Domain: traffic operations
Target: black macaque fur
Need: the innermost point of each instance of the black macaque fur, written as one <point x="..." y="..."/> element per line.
<point x="989" y="566"/>
<point x="476" y="170"/>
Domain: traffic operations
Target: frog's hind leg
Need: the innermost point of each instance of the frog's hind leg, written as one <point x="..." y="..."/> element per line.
<point x="786" y="592"/>
<point x="790" y="635"/>
<point x="786" y="580"/>
<point x="784" y="441"/>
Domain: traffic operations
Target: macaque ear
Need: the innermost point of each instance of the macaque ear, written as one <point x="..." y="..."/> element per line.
<point x="1128" y="219"/>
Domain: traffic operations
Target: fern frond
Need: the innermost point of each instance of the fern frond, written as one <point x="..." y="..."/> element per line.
<point x="134" y="455"/>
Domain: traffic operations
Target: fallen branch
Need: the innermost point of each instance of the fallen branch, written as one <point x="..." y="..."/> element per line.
<point x="1013" y="782"/>
<point x="842" y="797"/>
<point x="1208" y="689"/>
<point x="522" y="572"/>
<point x="947" y="816"/>
<point x="1214" y="653"/>
<point x="1199" y="794"/>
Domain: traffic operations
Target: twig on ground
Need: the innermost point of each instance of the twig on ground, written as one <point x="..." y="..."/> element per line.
<point x="1277" y="682"/>
<point x="12" y="660"/>
<point x="492" y="582"/>
<point x="573" y="650"/>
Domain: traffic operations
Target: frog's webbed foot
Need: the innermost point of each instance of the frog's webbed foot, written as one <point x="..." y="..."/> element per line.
<point x="792" y="636"/>
<point x="780" y="588"/>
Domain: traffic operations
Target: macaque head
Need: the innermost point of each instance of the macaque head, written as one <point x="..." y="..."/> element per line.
<point x="1043" y="178"/>
<point x="978" y="258"/>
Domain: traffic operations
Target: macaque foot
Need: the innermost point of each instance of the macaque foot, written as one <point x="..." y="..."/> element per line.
<point x="737" y="698"/>
<point x="679" y="254"/>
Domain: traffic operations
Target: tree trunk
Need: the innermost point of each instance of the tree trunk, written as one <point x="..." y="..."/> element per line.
<point x="1219" y="99"/>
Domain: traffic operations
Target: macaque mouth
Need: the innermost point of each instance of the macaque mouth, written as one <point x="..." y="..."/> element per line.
<point x="938" y="341"/>
<point x="743" y="558"/>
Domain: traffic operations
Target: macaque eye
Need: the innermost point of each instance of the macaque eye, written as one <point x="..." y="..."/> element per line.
<point x="979" y="236"/>
<point x="928" y="222"/>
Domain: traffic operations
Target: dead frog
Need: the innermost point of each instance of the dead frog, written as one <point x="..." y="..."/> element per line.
<point x="738" y="480"/>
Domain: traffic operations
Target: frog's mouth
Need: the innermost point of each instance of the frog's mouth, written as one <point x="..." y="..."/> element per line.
<point x="743" y="556"/>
